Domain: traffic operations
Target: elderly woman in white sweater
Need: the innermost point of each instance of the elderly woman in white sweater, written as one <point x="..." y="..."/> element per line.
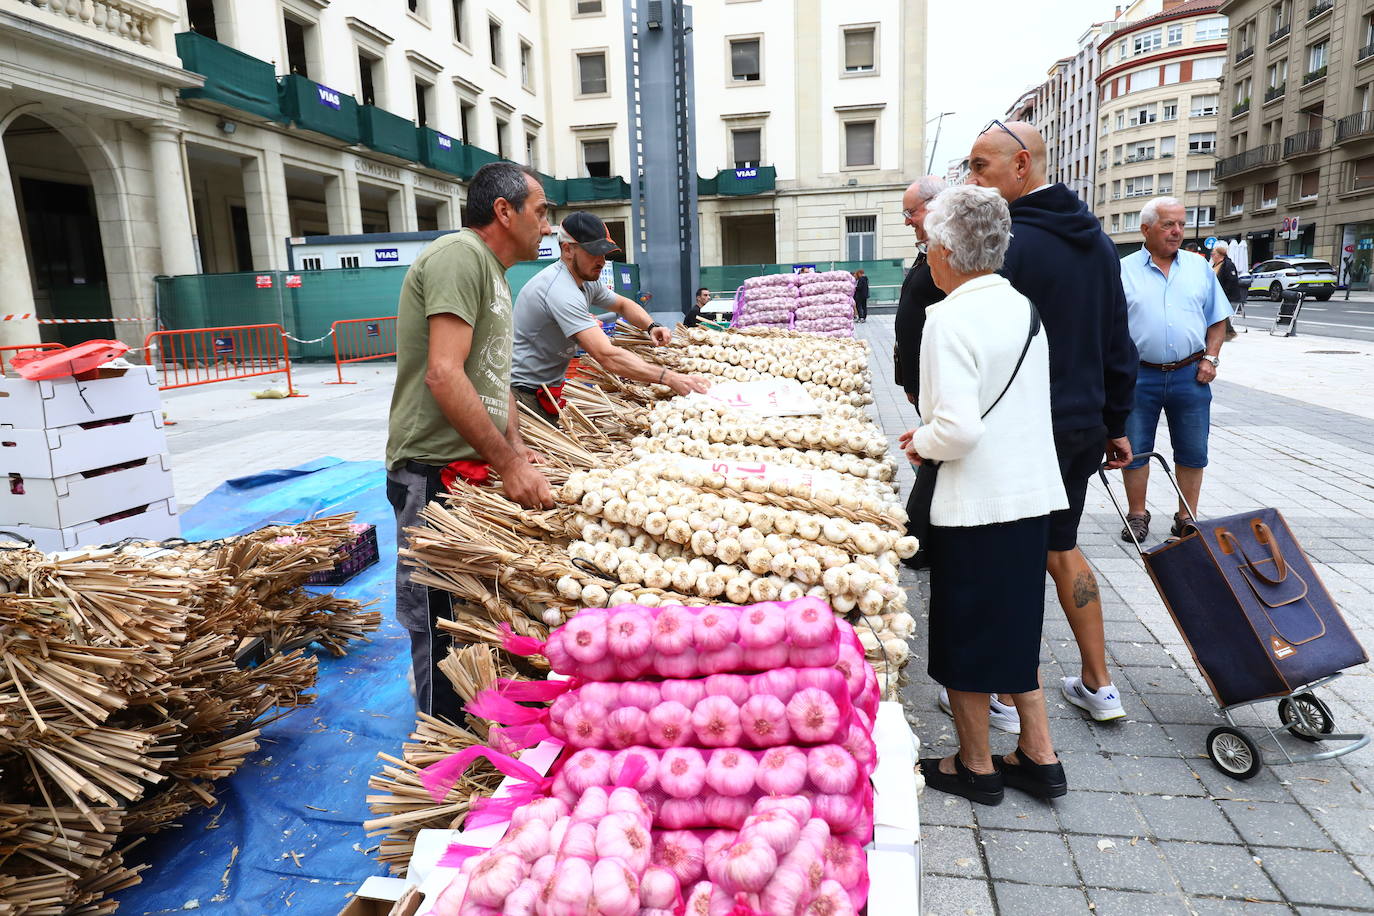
<point x="985" y="417"/>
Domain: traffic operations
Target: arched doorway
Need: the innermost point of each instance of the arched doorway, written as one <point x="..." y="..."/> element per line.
<point x="56" y="200"/>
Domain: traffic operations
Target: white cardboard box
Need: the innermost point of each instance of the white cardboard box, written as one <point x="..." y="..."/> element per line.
<point x="117" y="392"/>
<point x="72" y="449"/>
<point x="158" y="522"/>
<point x="74" y="499"/>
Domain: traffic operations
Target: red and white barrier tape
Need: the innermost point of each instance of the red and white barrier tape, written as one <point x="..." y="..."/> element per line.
<point x="27" y="315"/>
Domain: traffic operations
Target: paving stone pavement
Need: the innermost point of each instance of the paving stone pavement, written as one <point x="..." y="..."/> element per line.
<point x="1149" y="825"/>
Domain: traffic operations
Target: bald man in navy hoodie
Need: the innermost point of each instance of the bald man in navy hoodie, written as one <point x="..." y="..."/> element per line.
<point x="1061" y="261"/>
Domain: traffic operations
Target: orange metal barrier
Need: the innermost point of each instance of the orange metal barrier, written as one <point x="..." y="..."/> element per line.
<point x="201" y="356"/>
<point x="357" y="340"/>
<point x="19" y="348"/>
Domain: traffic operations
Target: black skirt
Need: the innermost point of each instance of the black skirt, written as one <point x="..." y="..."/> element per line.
<point x="987" y="604"/>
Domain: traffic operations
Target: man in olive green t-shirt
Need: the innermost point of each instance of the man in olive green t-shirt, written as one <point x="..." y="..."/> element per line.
<point x="452" y="400"/>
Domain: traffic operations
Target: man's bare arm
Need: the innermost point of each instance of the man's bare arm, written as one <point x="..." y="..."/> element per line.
<point x="627" y="365"/>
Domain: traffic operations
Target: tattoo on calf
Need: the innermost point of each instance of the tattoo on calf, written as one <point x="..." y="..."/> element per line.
<point x="1084" y="589"/>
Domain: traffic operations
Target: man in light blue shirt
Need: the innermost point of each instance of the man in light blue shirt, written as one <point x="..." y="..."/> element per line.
<point x="1177" y="313"/>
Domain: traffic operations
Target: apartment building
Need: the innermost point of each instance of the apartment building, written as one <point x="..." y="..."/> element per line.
<point x="184" y="136"/>
<point x="1159" y="87"/>
<point x="1298" y="140"/>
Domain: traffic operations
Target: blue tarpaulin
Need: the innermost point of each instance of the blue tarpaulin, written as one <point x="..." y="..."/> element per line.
<point x="304" y="791"/>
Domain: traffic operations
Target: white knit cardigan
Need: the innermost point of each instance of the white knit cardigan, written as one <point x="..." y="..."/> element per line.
<point x="1002" y="468"/>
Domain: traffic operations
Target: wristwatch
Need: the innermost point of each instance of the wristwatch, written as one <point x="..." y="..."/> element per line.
<point x="1214" y="360"/>
<point x="652" y="325"/>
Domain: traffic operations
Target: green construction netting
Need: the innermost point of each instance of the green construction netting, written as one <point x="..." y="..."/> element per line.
<point x="763" y="181"/>
<point x="231" y="77"/>
<point x="388" y="133"/>
<point x="321" y="298"/>
<point x="474" y="157"/>
<point x="321" y="109"/>
<point x="440" y="151"/>
<point x="884" y="277"/>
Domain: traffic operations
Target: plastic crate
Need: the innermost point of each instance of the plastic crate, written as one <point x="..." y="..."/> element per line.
<point x="355" y="556"/>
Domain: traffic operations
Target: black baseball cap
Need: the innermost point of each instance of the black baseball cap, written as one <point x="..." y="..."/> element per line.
<point x="588" y="231"/>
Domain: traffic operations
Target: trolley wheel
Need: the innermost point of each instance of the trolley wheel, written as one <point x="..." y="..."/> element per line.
<point x="1306" y="717"/>
<point x="1233" y="753"/>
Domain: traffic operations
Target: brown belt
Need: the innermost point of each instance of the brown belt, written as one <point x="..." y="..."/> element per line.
<point x="1170" y="367"/>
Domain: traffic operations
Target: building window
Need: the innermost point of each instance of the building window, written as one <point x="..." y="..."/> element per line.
<point x="1199" y="180"/>
<point x="350" y="261"/>
<point x="1143" y="115"/>
<point x="419" y="8"/>
<point x="1116" y="189"/>
<point x="1145" y="79"/>
<point x="591" y="73"/>
<point x="861" y="237"/>
<point x="596" y="158"/>
<point x="367" y="78"/>
<point x="587" y="7"/>
<point x="1143" y="186"/>
<point x="1236" y="202"/>
<point x="1165" y="184"/>
<point x="312" y="262"/>
<point x="200" y="15"/>
<point x="1148" y="41"/>
<point x="465" y="116"/>
<point x="526" y="65"/>
<point x="1210" y="30"/>
<point x="502" y="140"/>
<point x="1316" y="57"/>
<point x="1170" y="110"/>
<point x="1203" y="142"/>
<point x="1172" y="74"/>
<point x="498" y="57"/>
<point x="1116" y="222"/>
<point x="1166" y="147"/>
<point x="1362" y="174"/>
<point x="747" y="147"/>
<point x="745" y="58"/>
<point x="1202" y="216"/>
<point x="1309" y="185"/>
<point x="1278" y="73"/>
<point x="1116" y="155"/>
<point x="460" y="21"/>
<point x="422" y="91"/>
<point x="1278" y="16"/>
<point x="532" y="150"/>
<point x="1269" y="195"/>
<point x="1175" y="35"/>
<point x="1203" y="106"/>
<point x="297" y="35"/>
<point x="1121" y="120"/>
<point x="860" y="50"/>
<point x="860" y="147"/>
<point x="1130" y="221"/>
<point x="1208" y="68"/>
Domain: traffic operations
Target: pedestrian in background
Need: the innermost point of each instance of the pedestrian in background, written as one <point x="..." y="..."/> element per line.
<point x="861" y="295"/>
<point x="1062" y="261"/>
<point x="1229" y="277"/>
<point x="452" y="406"/>
<point x="985" y="395"/>
<point x="1178" y="314"/>
<point x="693" y="316"/>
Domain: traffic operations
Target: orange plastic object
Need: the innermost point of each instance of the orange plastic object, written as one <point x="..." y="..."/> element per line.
<point x="80" y="361"/>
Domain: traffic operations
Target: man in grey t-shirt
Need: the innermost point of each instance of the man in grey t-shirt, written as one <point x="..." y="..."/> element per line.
<point x="553" y="317"/>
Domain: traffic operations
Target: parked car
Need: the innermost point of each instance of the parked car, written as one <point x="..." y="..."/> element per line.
<point x="1314" y="277"/>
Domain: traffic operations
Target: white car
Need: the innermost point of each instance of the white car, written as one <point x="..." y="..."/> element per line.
<point x="1316" y="278"/>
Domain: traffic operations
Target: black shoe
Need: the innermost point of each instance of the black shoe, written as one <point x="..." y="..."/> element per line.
<point x="1043" y="780"/>
<point x="980" y="788"/>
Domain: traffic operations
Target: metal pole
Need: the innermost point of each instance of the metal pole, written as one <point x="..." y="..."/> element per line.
<point x="939" y="123"/>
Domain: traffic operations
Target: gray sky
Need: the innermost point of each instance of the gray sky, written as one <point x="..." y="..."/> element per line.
<point x="982" y="56"/>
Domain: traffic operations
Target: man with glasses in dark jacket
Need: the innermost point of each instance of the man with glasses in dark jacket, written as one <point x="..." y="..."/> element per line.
<point x="1066" y="266"/>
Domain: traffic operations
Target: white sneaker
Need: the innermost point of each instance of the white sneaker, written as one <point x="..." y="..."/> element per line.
<point x="1103" y="704"/>
<point x="999" y="714"/>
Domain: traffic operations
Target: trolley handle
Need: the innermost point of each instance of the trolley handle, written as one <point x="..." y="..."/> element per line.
<point x="1168" y="472"/>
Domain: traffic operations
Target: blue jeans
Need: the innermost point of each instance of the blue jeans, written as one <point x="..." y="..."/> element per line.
<point x="1187" y="405"/>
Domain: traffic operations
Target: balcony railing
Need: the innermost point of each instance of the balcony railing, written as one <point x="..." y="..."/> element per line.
<point x="1314" y="75"/>
<point x="136" y="23"/>
<point x="1366" y="52"/>
<point x="740" y="182"/>
<point x="1240" y="108"/>
<point x="1300" y="144"/>
<point x="1316" y="9"/>
<point x="1275" y="92"/>
<point x="1360" y="124"/>
<point x="1281" y="32"/>
<point x="232" y="78"/>
<point x="1250" y="159"/>
<point x="1244" y="54"/>
<point x="1140" y="157"/>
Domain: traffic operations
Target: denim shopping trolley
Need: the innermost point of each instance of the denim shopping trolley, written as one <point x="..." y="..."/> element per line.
<point x="1259" y="624"/>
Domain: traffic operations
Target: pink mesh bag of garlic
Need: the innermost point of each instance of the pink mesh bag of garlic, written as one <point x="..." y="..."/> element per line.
<point x="689" y="787"/>
<point x="628" y="642"/>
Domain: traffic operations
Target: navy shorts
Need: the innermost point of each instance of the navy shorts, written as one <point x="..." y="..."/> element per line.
<point x="1186" y="404"/>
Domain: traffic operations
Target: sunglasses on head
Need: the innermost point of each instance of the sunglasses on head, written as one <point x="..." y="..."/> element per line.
<point x="996" y="123"/>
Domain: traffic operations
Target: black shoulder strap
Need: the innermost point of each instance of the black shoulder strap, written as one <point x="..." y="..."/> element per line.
<point x="1030" y="335"/>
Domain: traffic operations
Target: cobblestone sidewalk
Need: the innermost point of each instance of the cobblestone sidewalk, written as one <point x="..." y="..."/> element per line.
<point x="1149" y="825"/>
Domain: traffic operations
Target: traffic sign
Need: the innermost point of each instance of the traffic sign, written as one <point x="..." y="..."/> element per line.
<point x="1349" y="249"/>
<point x="1210" y="242"/>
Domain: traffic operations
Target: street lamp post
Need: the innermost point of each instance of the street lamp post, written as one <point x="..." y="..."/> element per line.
<point x="940" y="119"/>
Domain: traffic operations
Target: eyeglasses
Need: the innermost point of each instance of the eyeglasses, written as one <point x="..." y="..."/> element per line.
<point x="996" y="123"/>
<point x="908" y="214"/>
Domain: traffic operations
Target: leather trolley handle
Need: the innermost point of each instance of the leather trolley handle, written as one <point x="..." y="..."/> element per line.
<point x="1229" y="542"/>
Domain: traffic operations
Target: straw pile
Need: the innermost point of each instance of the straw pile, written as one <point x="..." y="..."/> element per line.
<point x="121" y="702"/>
